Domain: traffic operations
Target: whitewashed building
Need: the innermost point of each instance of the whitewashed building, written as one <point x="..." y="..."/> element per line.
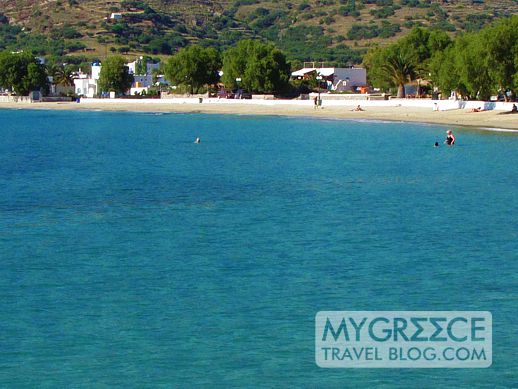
<point x="150" y="66"/>
<point x="335" y="79"/>
<point x="85" y="84"/>
<point x="142" y="82"/>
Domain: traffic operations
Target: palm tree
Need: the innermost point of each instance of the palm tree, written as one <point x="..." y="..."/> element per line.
<point x="400" y="67"/>
<point x="63" y="76"/>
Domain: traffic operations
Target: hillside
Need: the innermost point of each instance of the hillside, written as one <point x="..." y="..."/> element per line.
<point x="332" y="30"/>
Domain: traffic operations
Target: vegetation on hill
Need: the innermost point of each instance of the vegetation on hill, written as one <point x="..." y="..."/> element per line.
<point x="336" y="31"/>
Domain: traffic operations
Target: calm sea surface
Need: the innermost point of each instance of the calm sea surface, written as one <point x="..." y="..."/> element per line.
<point x="131" y="257"/>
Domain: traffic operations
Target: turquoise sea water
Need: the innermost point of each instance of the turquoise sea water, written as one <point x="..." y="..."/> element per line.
<point x="132" y="257"/>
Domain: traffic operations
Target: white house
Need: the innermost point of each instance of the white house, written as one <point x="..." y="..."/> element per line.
<point x="86" y="85"/>
<point x="150" y="66"/>
<point x="336" y="79"/>
<point x="116" y="16"/>
<point x="142" y="82"/>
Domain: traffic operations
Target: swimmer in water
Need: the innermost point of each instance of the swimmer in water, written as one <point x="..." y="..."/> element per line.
<point x="436" y="144"/>
<point x="450" y="138"/>
<point x="198" y="140"/>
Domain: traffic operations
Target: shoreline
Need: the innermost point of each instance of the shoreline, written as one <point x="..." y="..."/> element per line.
<point x="373" y="110"/>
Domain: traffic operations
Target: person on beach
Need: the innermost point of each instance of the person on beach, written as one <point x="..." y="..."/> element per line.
<point x="315" y="102"/>
<point x="514" y="109"/>
<point x="479" y="109"/>
<point x="358" y="108"/>
<point x="450" y="138"/>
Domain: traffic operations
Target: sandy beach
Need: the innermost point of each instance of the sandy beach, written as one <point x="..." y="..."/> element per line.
<point x="498" y="119"/>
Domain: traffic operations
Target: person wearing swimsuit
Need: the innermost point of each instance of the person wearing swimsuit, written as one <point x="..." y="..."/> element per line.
<point x="450" y="138"/>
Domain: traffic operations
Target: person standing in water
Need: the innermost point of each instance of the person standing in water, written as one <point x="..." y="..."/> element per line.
<point x="450" y="138"/>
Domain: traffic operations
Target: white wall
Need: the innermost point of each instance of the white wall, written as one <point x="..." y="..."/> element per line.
<point x="132" y="66"/>
<point x="418" y="103"/>
<point x="85" y="86"/>
<point x="15" y="99"/>
<point x="96" y="71"/>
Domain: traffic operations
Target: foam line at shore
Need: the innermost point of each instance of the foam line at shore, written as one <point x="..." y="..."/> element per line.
<point x="499" y="129"/>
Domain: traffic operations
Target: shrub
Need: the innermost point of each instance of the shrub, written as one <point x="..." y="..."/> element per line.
<point x="304" y="5"/>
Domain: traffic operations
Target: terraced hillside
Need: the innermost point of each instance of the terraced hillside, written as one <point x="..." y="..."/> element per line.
<point x="332" y="30"/>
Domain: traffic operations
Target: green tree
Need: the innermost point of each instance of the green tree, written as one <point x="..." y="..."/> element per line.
<point x="422" y="44"/>
<point x="463" y="67"/>
<point x="437" y="41"/>
<point x="471" y="62"/>
<point x="392" y="66"/>
<point x="407" y="59"/>
<point x="22" y="73"/>
<point x="443" y="70"/>
<point x="373" y="61"/>
<point x="141" y="65"/>
<point x="261" y="67"/>
<point x="502" y="53"/>
<point x="114" y="75"/>
<point x="85" y="67"/>
<point x="400" y="67"/>
<point x="480" y="64"/>
<point x="416" y="43"/>
<point x="194" y="66"/>
<point x="62" y="74"/>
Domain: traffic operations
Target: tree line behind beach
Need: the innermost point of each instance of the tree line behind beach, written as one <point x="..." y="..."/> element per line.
<point x="475" y="65"/>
